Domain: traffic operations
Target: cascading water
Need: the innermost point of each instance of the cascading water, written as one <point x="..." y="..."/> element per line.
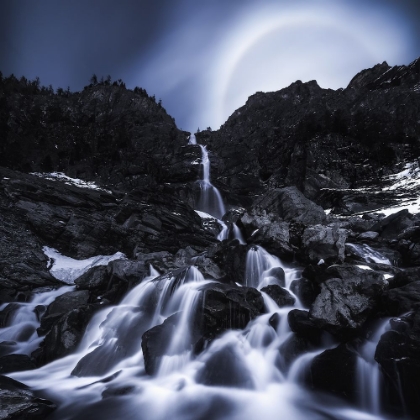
<point x="368" y="373"/>
<point x="241" y="375"/>
<point x="368" y="254"/>
<point x="23" y="321"/>
<point x="211" y="201"/>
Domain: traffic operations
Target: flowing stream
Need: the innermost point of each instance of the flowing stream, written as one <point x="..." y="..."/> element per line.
<point x="241" y="375"/>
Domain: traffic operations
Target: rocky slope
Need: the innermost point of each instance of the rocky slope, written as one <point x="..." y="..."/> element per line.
<point x="279" y="161"/>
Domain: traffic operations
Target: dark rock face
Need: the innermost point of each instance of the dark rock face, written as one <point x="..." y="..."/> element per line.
<point x="228" y="307"/>
<point x="398" y="353"/>
<point x="64" y="336"/>
<point x="335" y="371"/>
<point x="15" y="363"/>
<point x="346" y="302"/>
<point x="62" y="305"/>
<point x="324" y="243"/>
<point x="290" y="205"/>
<point x="224" y="368"/>
<point x="319" y="140"/>
<point x="301" y="323"/>
<point x="18" y="402"/>
<point x="155" y="343"/>
<point x="281" y="296"/>
<point x="402" y="299"/>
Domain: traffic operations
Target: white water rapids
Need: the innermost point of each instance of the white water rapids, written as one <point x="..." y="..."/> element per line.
<point x="254" y="381"/>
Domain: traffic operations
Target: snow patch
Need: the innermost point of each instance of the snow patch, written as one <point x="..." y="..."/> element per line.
<point x="204" y="215"/>
<point x="60" y="176"/>
<point x="68" y="269"/>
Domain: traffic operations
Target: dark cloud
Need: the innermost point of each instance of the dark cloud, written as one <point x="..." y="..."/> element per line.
<point x="169" y="47"/>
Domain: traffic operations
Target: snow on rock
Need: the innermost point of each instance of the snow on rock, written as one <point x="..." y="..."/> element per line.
<point x="60" y="176"/>
<point x="68" y="269"/>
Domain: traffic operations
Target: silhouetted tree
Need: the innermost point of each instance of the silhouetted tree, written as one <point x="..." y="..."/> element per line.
<point x="94" y="79"/>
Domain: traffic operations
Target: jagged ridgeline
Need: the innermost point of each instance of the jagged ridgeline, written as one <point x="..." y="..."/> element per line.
<point x="268" y="269"/>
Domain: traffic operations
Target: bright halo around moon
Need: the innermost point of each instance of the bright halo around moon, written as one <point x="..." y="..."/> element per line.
<point x="272" y="48"/>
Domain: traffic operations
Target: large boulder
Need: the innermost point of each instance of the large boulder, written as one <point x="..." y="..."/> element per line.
<point x="335" y="371"/>
<point x="347" y="301"/>
<point x="227" y="307"/>
<point x="402" y="299"/>
<point x="325" y="243"/>
<point x="62" y="305"/>
<point x="224" y="368"/>
<point x="18" y="402"/>
<point x="64" y="336"/>
<point x="290" y="205"/>
<point x="15" y="363"/>
<point x="281" y="296"/>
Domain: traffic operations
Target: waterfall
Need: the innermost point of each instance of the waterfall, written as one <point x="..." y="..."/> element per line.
<point x="368" y="373"/>
<point x="210" y="200"/>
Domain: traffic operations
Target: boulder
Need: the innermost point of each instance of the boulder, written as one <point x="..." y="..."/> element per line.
<point x="227" y="307"/>
<point x="300" y="323"/>
<point x="61" y="305"/>
<point x="398" y="354"/>
<point x="346" y="302"/>
<point x="306" y="290"/>
<point x="15" y="363"/>
<point x="290" y="205"/>
<point x="281" y="296"/>
<point x="64" y="336"/>
<point x="18" y="402"/>
<point x="401" y="299"/>
<point x="394" y="224"/>
<point x="155" y="343"/>
<point x="224" y="368"/>
<point x="335" y="371"/>
<point x="324" y="243"/>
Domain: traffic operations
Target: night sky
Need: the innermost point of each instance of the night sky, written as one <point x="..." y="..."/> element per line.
<point x="203" y="58"/>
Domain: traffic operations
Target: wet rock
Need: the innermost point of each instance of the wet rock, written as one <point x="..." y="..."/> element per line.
<point x="232" y="258"/>
<point x="15" y="363"/>
<point x="335" y="371"/>
<point x="346" y="302"/>
<point x="293" y="347"/>
<point x="113" y="281"/>
<point x="394" y="224"/>
<point x="18" y="402"/>
<point x="302" y="324"/>
<point x="268" y="232"/>
<point x="155" y="343"/>
<point x="277" y="276"/>
<point x="126" y="328"/>
<point x="398" y="353"/>
<point x="64" y="336"/>
<point x="290" y="205"/>
<point x="324" y="243"/>
<point x="62" y="304"/>
<point x="227" y="307"/>
<point x="306" y="290"/>
<point x="281" y="296"/>
<point x="224" y="368"/>
<point x="401" y="299"/>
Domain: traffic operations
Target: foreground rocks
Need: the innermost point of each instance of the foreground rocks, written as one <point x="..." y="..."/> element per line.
<point x="18" y="402"/>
